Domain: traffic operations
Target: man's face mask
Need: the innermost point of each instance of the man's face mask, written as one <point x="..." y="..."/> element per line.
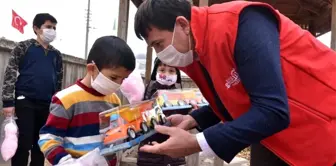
<point x="165" y="79"/>
<point x="104" y="85"/>
<point x="173" y="57"/>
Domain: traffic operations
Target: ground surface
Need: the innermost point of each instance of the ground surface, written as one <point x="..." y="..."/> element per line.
<point x="241" y="159"/>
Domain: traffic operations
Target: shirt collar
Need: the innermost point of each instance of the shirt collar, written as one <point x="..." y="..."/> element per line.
<point x="36" y="43"/>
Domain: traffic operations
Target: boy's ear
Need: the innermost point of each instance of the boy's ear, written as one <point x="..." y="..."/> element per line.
<point x="90" y="68"/>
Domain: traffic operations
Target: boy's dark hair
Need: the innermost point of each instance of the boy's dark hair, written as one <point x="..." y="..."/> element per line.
<point x="41" y="18"/>
<point x="160" y="14"/>
<point x="111" y="52"/>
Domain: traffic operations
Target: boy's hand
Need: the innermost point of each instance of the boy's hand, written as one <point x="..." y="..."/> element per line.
<point x="8" y="111"/>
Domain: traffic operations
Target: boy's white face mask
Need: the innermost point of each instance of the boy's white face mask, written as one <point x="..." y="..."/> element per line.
<point x="164" y="79"/>
<point x="48" y="35"/>
<point x="104" y="85"/>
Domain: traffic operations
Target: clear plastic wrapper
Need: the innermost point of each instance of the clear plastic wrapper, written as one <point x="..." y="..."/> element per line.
<point x="127" y="122"/>
<point x="129" y="113"/>
<point x="180" y="97"/>
<point x="9" y="138"/>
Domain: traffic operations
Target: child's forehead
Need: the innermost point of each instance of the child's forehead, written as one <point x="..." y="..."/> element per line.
<point x="116" y="71"/>
<point x="161" y="65"/>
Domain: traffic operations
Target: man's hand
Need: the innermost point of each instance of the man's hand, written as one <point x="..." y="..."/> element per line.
<point x="180" y="143"/>
<point x="8" y="111"/>
<point x="185" y="122"/>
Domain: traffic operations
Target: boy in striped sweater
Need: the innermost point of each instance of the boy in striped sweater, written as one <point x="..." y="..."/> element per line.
<point x="72" y="128"/>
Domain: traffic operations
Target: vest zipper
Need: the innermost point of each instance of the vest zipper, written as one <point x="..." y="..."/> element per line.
<point x="218" y="102"/>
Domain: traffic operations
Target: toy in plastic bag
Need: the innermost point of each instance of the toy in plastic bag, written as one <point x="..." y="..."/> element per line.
<point x="93" y="158"/>
<point x="133" y="87"/>
<point x="9" y="138"/>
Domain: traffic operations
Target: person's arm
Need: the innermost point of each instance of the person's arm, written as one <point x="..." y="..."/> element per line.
<point x="59" y="72"/>
<point x="204" y="117"/>
<point x="53" y="132"/>
<point x="10" y="76"/>
<point x="257" y="55"/>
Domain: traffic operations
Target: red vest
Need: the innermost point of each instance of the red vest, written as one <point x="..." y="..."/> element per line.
<point x="309" y="72"/>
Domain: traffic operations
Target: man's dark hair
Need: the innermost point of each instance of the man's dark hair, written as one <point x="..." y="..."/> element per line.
<point x="160" y="14"/>
<point x="111" y="52"/>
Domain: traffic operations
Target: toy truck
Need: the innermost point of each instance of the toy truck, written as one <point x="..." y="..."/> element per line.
<point x="129" y="121"/>
<point x="180" y="99"/>
<point x="154" y="116"/>
<point x="124" y="125"/>
<point x="170" y="98"/>
<point x="128" y="125"/>
<point x="199" y="99"/>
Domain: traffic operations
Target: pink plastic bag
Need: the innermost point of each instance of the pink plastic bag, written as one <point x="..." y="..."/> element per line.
<point x="133" y="87"/>
<point x="9" y="142"/>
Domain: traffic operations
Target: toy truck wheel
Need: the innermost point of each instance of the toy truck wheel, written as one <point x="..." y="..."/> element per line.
<point x="168" y="104"/>
<point x="131" y="133"/>
<point x="193" y="102"/>
<point x="154" y="123"/>
<point x="163" y="119"/>
<point x="144" y="127"/>
<point x="181" y="103"/>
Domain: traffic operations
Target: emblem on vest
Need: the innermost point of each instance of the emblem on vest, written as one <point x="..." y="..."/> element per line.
<point x="233" y="79"/>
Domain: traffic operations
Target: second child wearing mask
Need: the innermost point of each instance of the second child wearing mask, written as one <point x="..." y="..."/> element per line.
<point x="163" y="77"/>
<point x="72" y="128"/>
<point x="28" y="94"/>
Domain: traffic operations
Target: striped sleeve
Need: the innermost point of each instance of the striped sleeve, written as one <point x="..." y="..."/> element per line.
<point x="53" y="132"/>
<point x="116" y="99"/>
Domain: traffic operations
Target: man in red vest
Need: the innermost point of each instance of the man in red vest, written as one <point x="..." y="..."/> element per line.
<point x="270" y="84"/>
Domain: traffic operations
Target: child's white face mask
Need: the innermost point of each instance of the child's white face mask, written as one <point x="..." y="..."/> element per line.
<point x="164" y="79"/>
<point x="104" y="85"/>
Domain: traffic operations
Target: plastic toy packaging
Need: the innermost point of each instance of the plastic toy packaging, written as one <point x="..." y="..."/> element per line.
<point x="9" y="138"/>
<point x="180" y="99"/>
<point x="128" y="125"/>
<point x="93" y="158"/>
<point x="133" y="87"/>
